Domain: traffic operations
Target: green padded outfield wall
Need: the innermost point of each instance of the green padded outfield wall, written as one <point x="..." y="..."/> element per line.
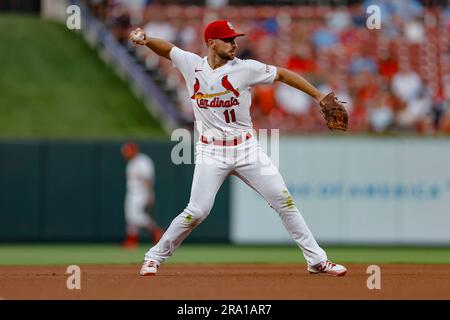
<point x="74" y="191"/>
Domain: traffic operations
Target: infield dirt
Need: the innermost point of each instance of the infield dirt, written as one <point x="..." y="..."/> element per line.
<point x="224" y="282"/>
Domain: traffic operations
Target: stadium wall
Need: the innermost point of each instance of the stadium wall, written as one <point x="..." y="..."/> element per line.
<point x="355" y="191"/>
<point x="74" y="191"/>
<point x="350" y="191"/>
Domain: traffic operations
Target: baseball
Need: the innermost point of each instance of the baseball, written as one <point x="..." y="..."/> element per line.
<point x="138" y="36"/>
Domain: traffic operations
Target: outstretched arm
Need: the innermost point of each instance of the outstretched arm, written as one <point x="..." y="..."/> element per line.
<point x="294" y="80"/>
<point x="159" y="46"/>
<point x="331" y="108"/>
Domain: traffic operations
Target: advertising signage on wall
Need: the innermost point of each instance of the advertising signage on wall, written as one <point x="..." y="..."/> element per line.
<point x="355" y="191"/>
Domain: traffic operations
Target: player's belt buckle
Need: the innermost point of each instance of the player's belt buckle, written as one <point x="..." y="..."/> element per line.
<point x="226" y="143"/>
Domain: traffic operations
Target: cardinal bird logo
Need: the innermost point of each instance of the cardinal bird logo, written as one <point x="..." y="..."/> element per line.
<point x="196" y="88"/>
<point x="212" y="100"/>
<point x="227" y="85"/>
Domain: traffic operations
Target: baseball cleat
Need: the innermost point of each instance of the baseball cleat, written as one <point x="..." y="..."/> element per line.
<point x="328" y="267"/>
<point x="149" y="268"/>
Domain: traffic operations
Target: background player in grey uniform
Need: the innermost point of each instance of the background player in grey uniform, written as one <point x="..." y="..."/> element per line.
<point x="140" y="197"/>
<point x="220" y="89"/>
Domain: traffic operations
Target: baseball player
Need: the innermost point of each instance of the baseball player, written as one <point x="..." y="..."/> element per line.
<point x="219" y="86"/>
<point x="139" y="198"/>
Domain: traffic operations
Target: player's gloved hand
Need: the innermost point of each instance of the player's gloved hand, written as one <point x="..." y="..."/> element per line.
<point x="334" y="112"/>
<point x="138" y="36"/>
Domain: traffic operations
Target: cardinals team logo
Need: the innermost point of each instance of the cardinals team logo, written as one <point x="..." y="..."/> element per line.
<point x="227" y="85"/>
<point x="196" y="89"/>
<point x="203" y="101"/>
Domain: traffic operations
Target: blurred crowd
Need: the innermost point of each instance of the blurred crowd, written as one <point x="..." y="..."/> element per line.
<point x="394" y="79"/>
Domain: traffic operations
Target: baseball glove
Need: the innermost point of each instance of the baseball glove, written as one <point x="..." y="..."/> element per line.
<point x="334" y="112"/>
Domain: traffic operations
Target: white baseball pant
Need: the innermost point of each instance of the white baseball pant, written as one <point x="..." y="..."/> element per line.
<point x="135" y="214"/>
<point x="248" y="162"/>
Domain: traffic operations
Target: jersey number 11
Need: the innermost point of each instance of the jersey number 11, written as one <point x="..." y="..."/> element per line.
<point x="230" y="116"/>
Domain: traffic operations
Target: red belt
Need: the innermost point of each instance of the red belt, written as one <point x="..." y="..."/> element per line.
<point x="226" y="143"/>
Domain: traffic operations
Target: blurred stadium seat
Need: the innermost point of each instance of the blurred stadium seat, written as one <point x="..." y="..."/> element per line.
<point x="329" y="45"/>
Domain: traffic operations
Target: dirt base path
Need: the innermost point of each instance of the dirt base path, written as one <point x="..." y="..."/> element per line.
<point x="224" y="282"/>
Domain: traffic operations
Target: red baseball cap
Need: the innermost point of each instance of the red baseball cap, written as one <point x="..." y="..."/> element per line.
<point x="129" y="149"/>
<point x="220" y="29"/>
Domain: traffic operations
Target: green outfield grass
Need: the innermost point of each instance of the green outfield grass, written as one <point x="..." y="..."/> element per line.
<point x="53" y="84"/>
<point x="20" y="254"/>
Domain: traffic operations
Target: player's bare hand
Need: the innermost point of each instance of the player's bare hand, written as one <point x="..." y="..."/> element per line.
<point x="138" y="36"/>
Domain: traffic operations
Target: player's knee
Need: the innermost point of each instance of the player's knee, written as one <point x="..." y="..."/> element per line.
<point x="284" y="202"/>
<point x="196" y="213"/>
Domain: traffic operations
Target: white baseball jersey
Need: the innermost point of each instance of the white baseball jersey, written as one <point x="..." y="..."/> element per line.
<point x="221" y="98"/>
<point x="138" y="169"/>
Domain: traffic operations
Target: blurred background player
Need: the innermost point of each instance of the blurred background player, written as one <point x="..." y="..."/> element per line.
<point x="139" y="198"/>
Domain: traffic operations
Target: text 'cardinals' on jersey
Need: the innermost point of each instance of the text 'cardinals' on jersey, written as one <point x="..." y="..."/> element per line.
<point x="221" y="98"/>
